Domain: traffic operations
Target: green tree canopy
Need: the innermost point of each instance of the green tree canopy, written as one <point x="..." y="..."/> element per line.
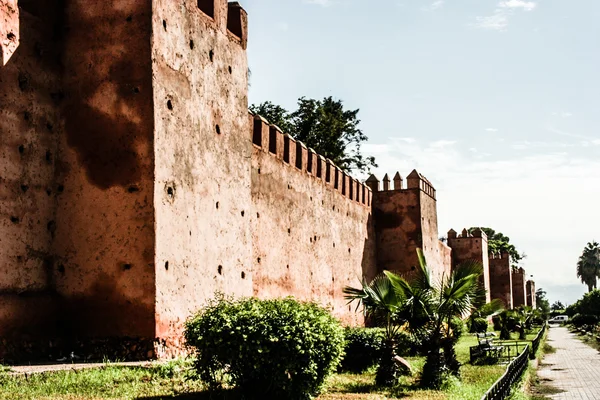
<point x="588" y="265"/>
<point x="542" y="302"/>
<point x="499" y="243"/>
<point x="325" y="126"/>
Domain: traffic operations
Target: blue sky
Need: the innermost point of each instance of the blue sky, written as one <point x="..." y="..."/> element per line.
<point x="496" y="102"/>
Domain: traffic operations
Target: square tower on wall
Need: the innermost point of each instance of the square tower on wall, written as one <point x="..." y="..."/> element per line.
<point x="133" y="142"/>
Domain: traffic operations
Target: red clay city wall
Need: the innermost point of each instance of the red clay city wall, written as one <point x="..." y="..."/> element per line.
<point x="519" y="288"/>
<point x="312" y="231"/>
<point x="29" y="84"/>
<point x="501" y="284"/>
<point x="134" y="185"/>
<point x="467" y="247"/>
<point x="104" y="237"/>
<point x="202" y="149"/>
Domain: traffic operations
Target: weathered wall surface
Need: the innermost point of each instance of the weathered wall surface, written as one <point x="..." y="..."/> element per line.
<point x="519" y="288"/>
<point x="466" y="247"/>
<point x="312" y="231"/>
<point x="104" y="225"/>
<point x="501" y="285"/>
<point x="202" y="151"/>
<point x="29" y="120"/>
<point x="437" y="254"/>
<point x="9" y="29"/>
<point x="531" y="294"/>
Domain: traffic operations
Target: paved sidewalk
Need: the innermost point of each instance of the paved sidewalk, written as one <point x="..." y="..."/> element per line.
<point x="574" y="368"/>
<point x="33" y="369"/>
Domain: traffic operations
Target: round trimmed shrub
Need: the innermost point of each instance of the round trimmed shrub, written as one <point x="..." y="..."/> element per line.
<point x="478" y="325"/>
<point x="266" y="348"/>
<point x="457" y="326"/>
<point x="363" y="348"/>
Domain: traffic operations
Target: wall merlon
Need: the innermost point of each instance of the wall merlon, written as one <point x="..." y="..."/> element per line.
<point x="337" y="182"/>
<point x="415" y="180"/>
<point x="301" y="156"/>
<point x="386" y="183"/>
<point x="452" y="234"/>
<point x="237" y="23"/>
<point x="321" y="167"/>
<point x="397" y="181"/>
<point x="329" y="168"/>
<point x="260" y="132"/>
<point x="312" y="162"/>
<point x="478" y="233"/>
<point x="289" y="149"/>
<point x="373" y="183"/>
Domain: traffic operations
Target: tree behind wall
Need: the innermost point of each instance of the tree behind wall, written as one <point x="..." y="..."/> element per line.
<point x="588" y="265"/>
<point x="542" y="302"/>
<point x="325" y="126"/>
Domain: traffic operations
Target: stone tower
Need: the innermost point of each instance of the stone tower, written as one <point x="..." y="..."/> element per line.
<point x="406" y="219"/>
<point x="123" y="125"/>
<point x="519" y="289"/>
<point x="471" y="247"/>
<point x="501" y="282"/>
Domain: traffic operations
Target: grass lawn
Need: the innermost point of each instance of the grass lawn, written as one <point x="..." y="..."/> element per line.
<point x="171" y="381"/>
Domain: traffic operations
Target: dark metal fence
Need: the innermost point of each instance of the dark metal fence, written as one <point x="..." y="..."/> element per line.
<point x="535" y="343"/>
<point x="502" y="387"/>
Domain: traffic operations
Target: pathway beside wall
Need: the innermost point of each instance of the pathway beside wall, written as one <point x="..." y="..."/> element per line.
<point x="574" y="368"/>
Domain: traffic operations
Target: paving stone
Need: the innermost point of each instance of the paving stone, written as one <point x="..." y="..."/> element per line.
<point x="574" y="368"/>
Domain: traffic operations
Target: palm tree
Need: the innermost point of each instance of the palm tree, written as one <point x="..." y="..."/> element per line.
<point x="588" y="265"/>
<point x="380" y="303"/>
<point x="485" y="310"/>
<point x="426" y="309"/>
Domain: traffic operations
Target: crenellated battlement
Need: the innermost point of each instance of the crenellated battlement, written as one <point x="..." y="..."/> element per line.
<point x="465" y="234"/>
<point x="414" y="181"/>
<point x="229" y="18"/>
<point x="271" y="140"/>
<point x="500" y="256"/>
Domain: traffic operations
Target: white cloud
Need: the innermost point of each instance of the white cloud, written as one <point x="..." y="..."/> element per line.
<point x="525" y="5"/>
<point x="283" y="26"/>
<point x="566" y="114"/>
<point x="596" y="142"/>
<point x="436" y="5"/>
<point x="514" y="193"/>
<point x="322" y="3"/>
<point x="439" y="144"/>
<point x="498" y="21"/>
<point x="491" y="129"/>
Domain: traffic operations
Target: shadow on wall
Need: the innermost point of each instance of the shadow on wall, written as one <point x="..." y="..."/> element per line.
<point x="369" y="259"/>
<point x="95" y="312"/>
<point x="108" y="105"/>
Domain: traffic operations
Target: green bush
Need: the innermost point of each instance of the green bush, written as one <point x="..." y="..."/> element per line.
<point x="363" y="348"/>
<point x="457" y="326"/>
<point x="409" y="345"/>
<point x="580" y="320"/>
<point x="478" y="325"/>
<point x="265" y="348"/>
